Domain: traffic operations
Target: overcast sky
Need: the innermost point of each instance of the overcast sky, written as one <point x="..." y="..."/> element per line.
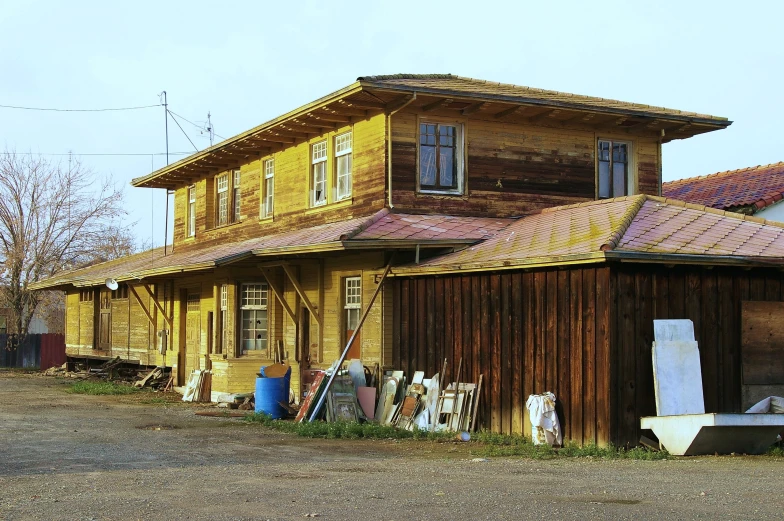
<point x="247" y="62"/>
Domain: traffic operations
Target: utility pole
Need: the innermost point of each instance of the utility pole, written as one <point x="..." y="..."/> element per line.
<point x="166" y="215"/>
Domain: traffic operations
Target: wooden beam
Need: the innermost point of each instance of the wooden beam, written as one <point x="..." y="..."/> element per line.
<point x="278" y="294"/>
<point x="346" y="111"/>
<point x="544" y="115"/>
<point x="302" y="294"/>
<point x="158" y="304"/>
<point x="332" y="118"/>
<point x="621" y="120"/>
<point x="399" y="102"/>
<point x="474" y="108"/>
<point x="144" y="308"/>
<point x="443" y="102"/>
<point x="508" y="112"/>
<point x="365" y="104"/>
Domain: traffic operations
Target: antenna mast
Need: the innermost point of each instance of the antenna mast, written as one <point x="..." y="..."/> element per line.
<point x="210" y="130"/>
<point x="166" y="215"/>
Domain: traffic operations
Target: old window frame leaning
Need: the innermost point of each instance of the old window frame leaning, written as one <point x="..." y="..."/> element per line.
<point x="343" y="165"/>
<point x="268" y="188"/>
<point x="254" y="307"/>
<point x="458" y="160"/>
<point x="607" y="179"/>
<point x="318" y="174"/>
<point x="191" y="211"/>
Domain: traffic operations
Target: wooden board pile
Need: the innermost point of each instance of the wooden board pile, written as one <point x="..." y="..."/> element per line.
<point x="430" y="404"/>
<point x="199" y="387"/>
<point x="156" y="379"/>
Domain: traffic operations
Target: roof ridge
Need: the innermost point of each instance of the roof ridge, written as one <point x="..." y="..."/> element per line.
<point x="626" y="220"/>
<point x="722" y="173"/>
<point x="708" y="209"/>
<point x="364" y="225"/>
<point x="405" y="76"/>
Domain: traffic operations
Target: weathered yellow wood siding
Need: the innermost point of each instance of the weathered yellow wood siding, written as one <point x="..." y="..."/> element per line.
<point x="292" y="190"/>
<point x="513" y="169"/>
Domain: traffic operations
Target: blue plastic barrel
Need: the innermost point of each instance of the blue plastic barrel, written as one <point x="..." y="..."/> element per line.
<point x="270" y="391"/>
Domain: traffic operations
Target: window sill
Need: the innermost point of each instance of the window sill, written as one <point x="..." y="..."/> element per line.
<point x="268" y="218"/>
<point x="190" y="238"/>
<point x="223" y="226"/>
<point x="331" y="206"/>
<point x="430" y="193"/>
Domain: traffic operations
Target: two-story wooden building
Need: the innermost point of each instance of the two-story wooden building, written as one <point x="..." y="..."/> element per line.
<point x="281" y="233"/>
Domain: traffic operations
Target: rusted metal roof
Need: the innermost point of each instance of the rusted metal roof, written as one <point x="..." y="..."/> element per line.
<point x="756" y="187"/>
<point x="378" y="231"/>
<point x="641" y="227"/>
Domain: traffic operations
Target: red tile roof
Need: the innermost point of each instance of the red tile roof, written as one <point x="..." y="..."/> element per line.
<point x="759" y="186"/>
<point x="369" y="231"/>
<point x="638" y="226"/>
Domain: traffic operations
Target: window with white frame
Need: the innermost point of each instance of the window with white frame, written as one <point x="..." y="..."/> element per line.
<point x="343" y="165"/>
<point x="615" y="179"/>
<point x="268" y="196"/>
<point x="318" y="188"/>
<point x="224" y="317"/>
<point x="440" y="158"/>
<point x="352" y="304"/>
<point x="222" y="206"/>
<point x="236" y="186"/>
<point x="253" y="308"/>
<point x="191" y="210"/>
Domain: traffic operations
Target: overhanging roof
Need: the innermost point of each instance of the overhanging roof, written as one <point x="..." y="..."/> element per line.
<point x="457" y="95"/>
<point x="380" y="231"/>
<point x="638" y="228"/>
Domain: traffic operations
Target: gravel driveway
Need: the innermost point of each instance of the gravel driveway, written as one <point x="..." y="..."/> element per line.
<point x="93" y="457"/>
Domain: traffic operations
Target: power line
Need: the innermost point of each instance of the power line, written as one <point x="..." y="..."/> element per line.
<point x="96" y="153"/>
<point x="201" y="127"/>
<point x="78" y="110"/>
<point x="183" y="131"/>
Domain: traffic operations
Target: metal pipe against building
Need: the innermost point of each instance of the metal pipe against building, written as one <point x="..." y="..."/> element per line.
<point x="342" y="359"/>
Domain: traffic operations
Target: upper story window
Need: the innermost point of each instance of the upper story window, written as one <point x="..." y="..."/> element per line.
<point x="440" y="158"/>
<point x="253" y="307"/>
<point x="615" y="178"/>
<point x="227" y="198"/>
<point x="236" y="185"/>
<point x="222" y="206"/>
<point x="268" y="188"/>
<point x="343" y="165"/>
<point x="318" y="184"/>
<point x="85" y="295"/>
<point x="191" y="210"/>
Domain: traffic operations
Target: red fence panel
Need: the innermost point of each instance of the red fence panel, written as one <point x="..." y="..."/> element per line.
<point x="52" y="350"/>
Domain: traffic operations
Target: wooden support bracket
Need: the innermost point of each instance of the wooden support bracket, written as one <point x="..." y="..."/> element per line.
<point x="144" y="308"/>
<point x="279" y="295"/>
<point x="158" y="305"/>
<point x="302" y="294"/>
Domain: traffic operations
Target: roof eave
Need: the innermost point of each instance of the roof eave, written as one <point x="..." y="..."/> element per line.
<point x="718" y="123"/>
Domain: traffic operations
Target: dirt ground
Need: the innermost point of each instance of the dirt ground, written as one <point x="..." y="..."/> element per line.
<point x="82" y="457"/>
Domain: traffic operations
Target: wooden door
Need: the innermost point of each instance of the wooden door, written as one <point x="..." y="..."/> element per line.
<point x="192" y="333"/>
<point x="105" y="320"/>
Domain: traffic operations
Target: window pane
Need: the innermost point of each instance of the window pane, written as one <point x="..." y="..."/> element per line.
<point x="352" y="319"/>
<point x="604" y="179"/>
<point x="344" y="175"/>
<point x="427" y="166"/>
<point x="223" y="207"/>
<point x="619" y="179"/>
<point x="319" y="183"/>
<point x="447" y="168"/>
<point x="319" y="151"/>
<point x="270" y="194"/>
<point x="236" y="204"/>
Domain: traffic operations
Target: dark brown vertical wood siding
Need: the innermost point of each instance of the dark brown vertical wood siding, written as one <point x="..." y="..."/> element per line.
<point x="583" y="333"/>
<point x="526" y="332"/>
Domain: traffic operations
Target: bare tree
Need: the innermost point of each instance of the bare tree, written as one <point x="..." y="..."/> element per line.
<point x="51" y="219"/>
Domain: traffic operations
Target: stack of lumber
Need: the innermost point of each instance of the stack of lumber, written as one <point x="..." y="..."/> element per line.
<point x="199" y="387"/>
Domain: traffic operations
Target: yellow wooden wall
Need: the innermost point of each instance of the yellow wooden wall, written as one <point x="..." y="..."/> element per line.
<point x="292" y="187"/>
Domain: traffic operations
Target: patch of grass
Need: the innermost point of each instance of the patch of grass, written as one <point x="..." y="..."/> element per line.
<point x="100" y="388"/>
<point x="776" y="451"/>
